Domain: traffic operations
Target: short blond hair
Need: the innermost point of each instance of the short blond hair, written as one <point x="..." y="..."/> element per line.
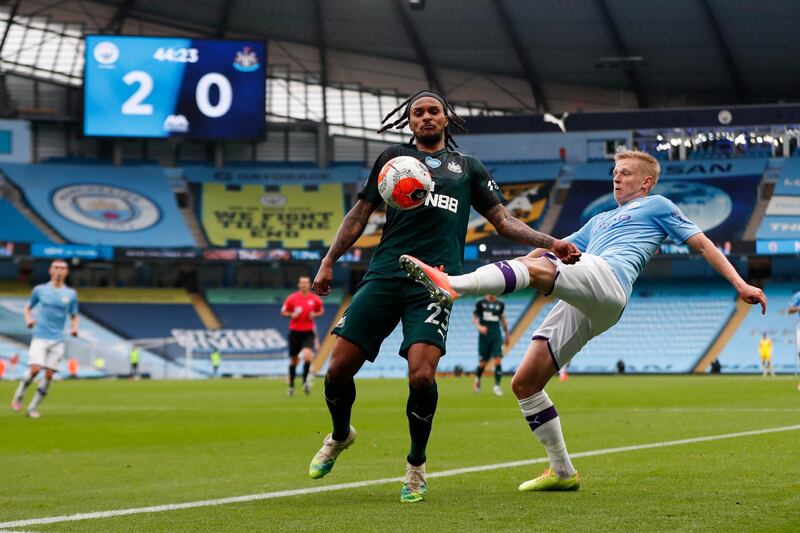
<point x="651" y="165"/>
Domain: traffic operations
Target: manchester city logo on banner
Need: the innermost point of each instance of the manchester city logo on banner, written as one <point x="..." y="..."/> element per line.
<point x="105" y="208"/>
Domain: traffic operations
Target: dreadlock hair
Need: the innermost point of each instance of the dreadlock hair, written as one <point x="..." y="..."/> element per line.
<point x="402" y="121"/>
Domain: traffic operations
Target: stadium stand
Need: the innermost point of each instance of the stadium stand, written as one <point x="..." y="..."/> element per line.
<point x="17" y="228"/>
<point x="666" y="328"/>
<point x="103" y="205"/>
<point x="260" y="309"/>
<point x="94" y="342"/>
<point x="740" y="355"/>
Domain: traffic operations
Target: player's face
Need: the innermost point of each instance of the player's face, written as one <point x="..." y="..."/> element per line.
<point x="427" y="120"/>
<point x="491" y="297"/>
<point x="304" y="284"/>
<point x="58" y="271"/>
<point x="630" y="180"/>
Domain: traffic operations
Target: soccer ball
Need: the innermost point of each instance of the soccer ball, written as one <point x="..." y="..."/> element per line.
<point x="404" y="183"/>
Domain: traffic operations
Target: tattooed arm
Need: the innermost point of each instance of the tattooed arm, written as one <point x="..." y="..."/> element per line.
<point x="516" y="230"/>
<point x="351" y="229"/>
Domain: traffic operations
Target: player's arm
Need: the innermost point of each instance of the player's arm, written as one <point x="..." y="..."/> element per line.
<point x="351" y="229"/>
<point x="794" y="306"/>
<point x="285" y="310"/>
<point x="73" y="325"/>
<point x="517" y="231"/>
<point x="702" y="245"/>
<point x="503" y="322"/>
<point x="477" y="323"/>
<point x="319" y="312"/>
<point x="29" y="320"/>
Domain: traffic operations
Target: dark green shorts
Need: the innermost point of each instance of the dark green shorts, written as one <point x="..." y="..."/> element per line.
<point x="490" y="346"/>
<point x="378" y="306"/>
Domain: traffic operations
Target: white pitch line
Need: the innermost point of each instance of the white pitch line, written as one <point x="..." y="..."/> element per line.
<point x="368" y="483"/>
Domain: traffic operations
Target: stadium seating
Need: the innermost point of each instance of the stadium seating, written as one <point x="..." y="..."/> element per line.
<point x="104" y="205"/>
<point x="740" y="355"/>
<point x="16" y="227"/>
<point x="94" y="342"/>
<point x="462" y="340"/>
<point x="666" y="328"/>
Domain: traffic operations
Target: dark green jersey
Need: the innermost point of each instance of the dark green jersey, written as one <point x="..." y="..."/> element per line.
<point x="436" y="231"/>
<point x="489" y="314"/>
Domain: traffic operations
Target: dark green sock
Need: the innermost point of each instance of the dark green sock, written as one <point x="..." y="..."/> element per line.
<point x="479" y="372"/>
<point x="498" y="373"/>
<point x="340" y="400"/>
<point x="420" y="409"/>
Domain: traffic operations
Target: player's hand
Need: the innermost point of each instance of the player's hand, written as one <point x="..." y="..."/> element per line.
<point x="322" y="283"/>
<point x="566" y="251"/>
<point x="507" y="340"/>
<point x="74" y="332"/>
<point x="754" y="295"/>
<point x="483" y="330"/>
<point x="30" y="323"/>
<point x="297" y="312"/>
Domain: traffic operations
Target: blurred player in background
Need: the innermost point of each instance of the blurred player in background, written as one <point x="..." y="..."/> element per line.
<point x="765" y="352"/>
<point x="794" y="307"/>
<point x="618" y="245"/>
<point x="302" y="307"/>
<point x="436" y="231"/>
<point x="133" y="358"/>
<point x="56" y="303"/>
<point x="488" y="317"/>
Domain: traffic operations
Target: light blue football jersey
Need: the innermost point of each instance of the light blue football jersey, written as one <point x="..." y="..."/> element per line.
<point x="51" y="309"/>
<point x="628" y="236"/>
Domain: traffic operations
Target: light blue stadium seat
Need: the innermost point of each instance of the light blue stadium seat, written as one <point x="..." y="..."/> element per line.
<point x="16" y="228"/>
<point x="741" y="356"/>
<point x="666" y="328"/>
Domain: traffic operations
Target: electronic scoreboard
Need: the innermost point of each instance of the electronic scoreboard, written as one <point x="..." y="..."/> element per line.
<point x="174" y="87"/>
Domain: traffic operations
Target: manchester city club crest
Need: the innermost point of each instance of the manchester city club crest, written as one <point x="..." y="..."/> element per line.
<point x="105" y="208"/>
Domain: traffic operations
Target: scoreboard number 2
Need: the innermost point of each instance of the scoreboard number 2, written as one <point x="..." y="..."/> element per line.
<point x="135" y="105"/>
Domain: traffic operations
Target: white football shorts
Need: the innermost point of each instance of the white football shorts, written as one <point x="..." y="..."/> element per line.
<point x="46" y="353"/>
<point x="592" y="300"/>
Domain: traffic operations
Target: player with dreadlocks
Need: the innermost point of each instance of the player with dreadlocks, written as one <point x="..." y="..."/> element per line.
<point x="435" y="231"/>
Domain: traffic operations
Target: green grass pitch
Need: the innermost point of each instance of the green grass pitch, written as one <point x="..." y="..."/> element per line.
<point x="119" y="444"/>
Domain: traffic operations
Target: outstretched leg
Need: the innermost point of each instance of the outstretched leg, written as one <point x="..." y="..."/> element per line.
<point x="533" y="270"/>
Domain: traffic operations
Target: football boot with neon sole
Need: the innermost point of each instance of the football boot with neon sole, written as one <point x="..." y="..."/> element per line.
<point x="435" y="280"/>
<point x="549" y="481"/>
<point x="415" y="488"/>
<point x="323" y="461"/>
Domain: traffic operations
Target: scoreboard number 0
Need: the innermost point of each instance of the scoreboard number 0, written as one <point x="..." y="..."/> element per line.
<point x="135" y="105"/>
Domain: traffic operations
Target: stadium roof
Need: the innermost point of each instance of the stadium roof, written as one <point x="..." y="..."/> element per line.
<point x="658" y="52"/>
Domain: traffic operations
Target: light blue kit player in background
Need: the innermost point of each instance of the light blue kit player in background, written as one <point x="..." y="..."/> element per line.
<point x="616" y="246"/>
<point x="794" y="307"/>
<point x="53" y="302"/>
